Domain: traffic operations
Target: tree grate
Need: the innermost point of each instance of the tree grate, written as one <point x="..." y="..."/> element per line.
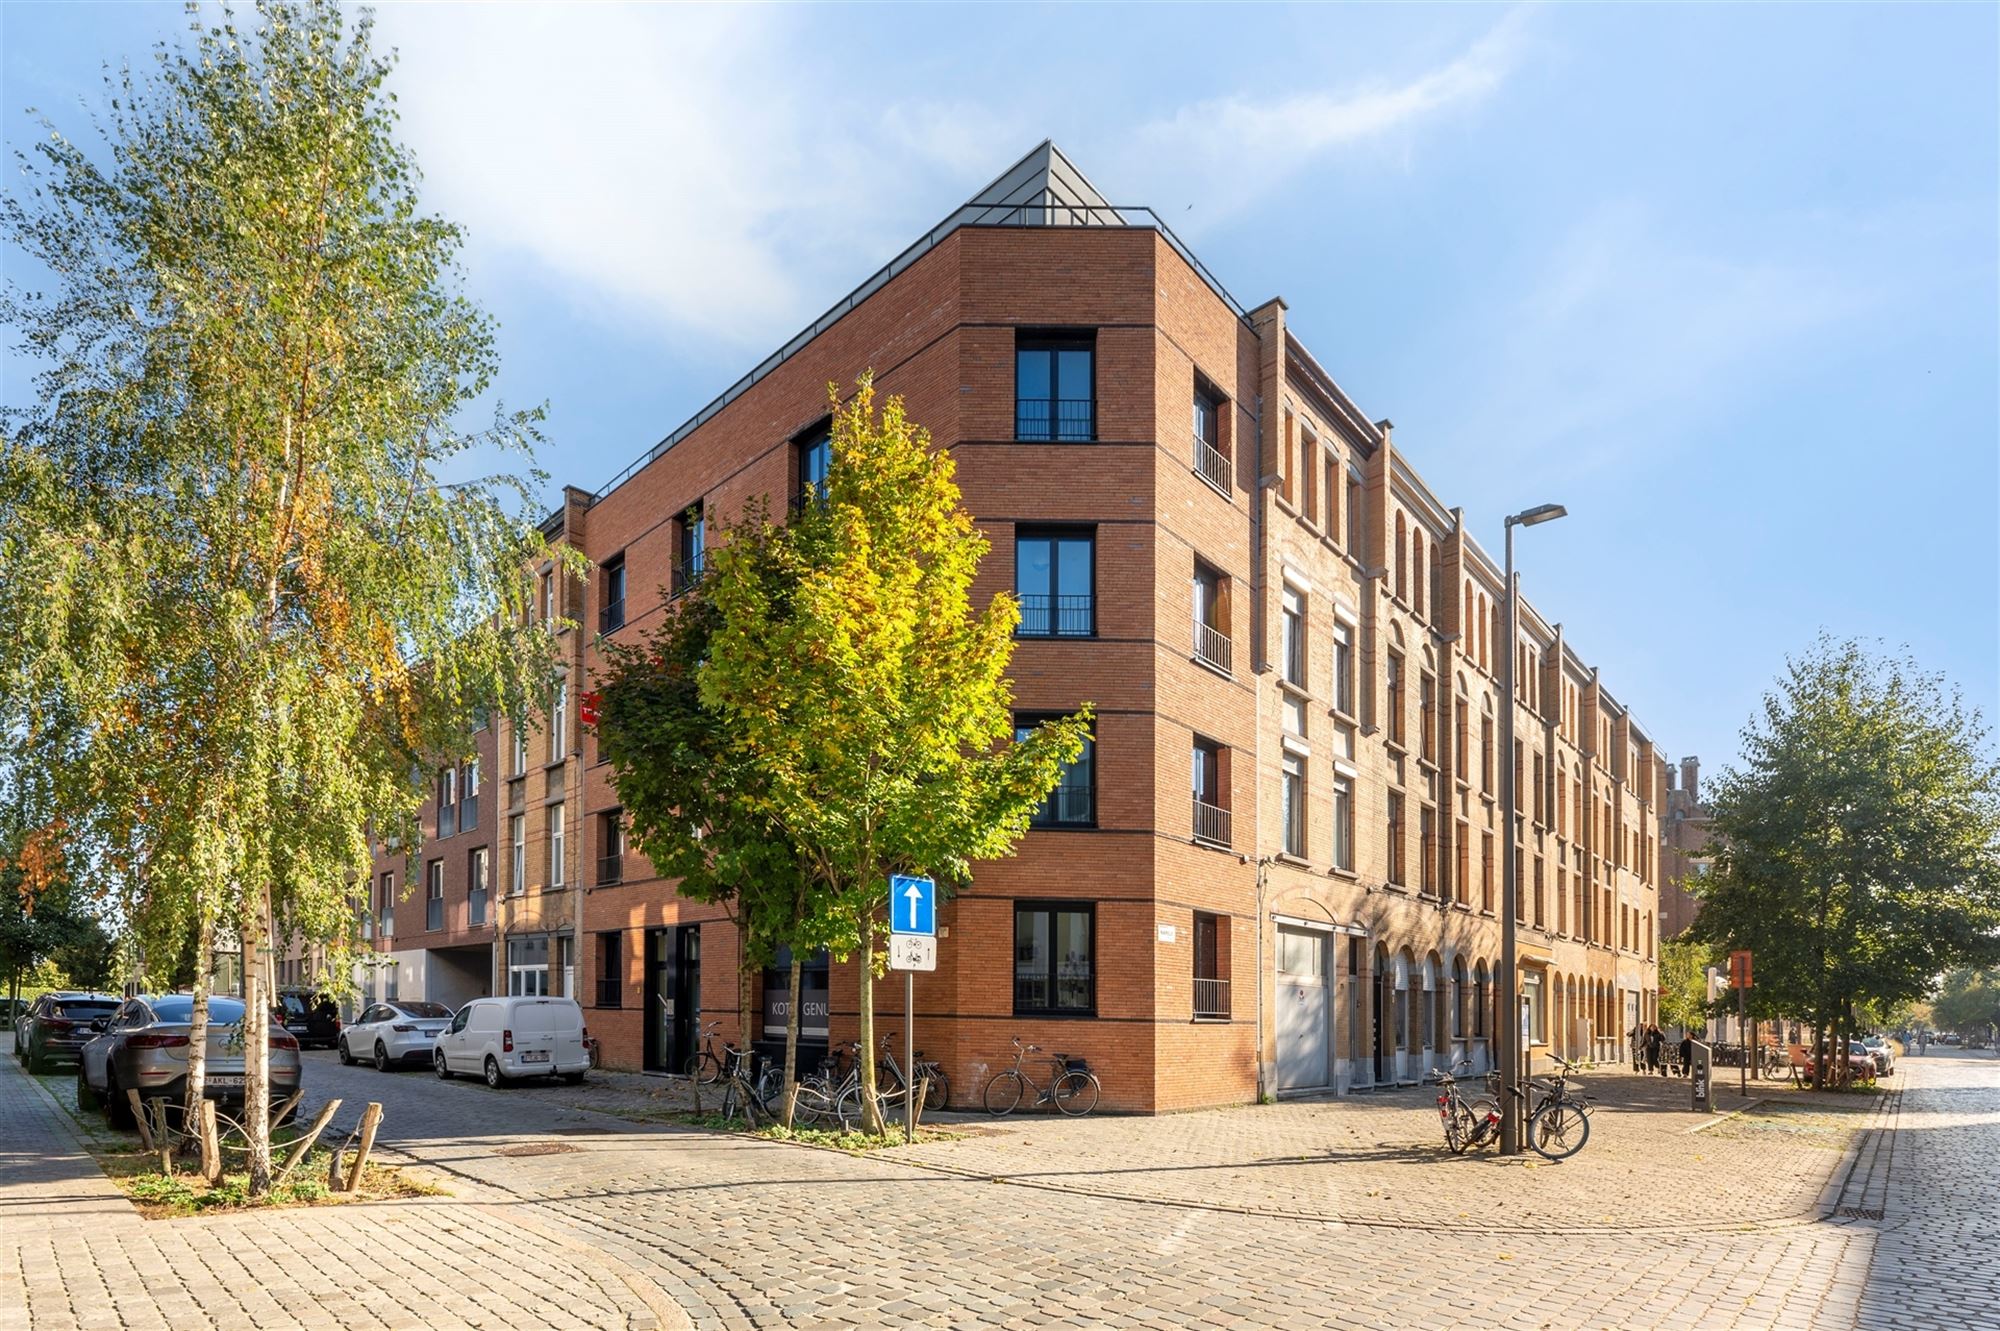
<point x="1862" y="1212"/>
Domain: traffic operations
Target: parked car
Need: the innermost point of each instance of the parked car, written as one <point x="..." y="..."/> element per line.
<point x="1949" y="1037"/>
<point x="144" y="1047"/>
<point x="1885" y="1057"/>
<point x="311" y="1015"/>
<point x="56" y="1027"/>
<point x="516" y="1036"/>
<point x="392" y="1033"/>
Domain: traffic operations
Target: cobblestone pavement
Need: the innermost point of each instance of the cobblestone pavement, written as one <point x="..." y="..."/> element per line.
<point x="743" y="1233"/>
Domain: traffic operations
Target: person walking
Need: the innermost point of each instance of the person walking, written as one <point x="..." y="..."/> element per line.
<point x="1687" y="1051"/>
<point x="1655" y="1046"/>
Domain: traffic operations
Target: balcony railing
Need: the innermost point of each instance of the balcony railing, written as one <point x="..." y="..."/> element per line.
<point x="1211" y="823"/>
<point x="1211" y="463"/>
<point x="609" y="992"/>
<point x="612" y="616"/>
<point x="1058" y="616"/>
<point x="1212" y="646"/>
<point x="610" y="869"/>
<point x="686" y="576"/>
<point x="1067" y="806"/>
<point x="1211" y="997"/>
<point x="1060" y="420"/>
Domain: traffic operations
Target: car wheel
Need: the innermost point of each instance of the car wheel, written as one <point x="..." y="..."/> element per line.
<point x="573" y="1078"/>
<point x="494" y="1077"/>
<point x="346" y="1059"/>
<point x="86" y="1098"/>
<point x="438" y="1066"/>
<point x="117" y="1110"/>
<point x="381" y="1057"/>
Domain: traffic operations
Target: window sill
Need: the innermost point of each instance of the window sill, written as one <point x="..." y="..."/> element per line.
<point x="1347" y="718"/>
<point x="1210" y="843"/>
<point x="1209" y="1019"/>
<point x="1062" y="827"/>
<point x="1214" y="668"/>
<point x="1054" y="637"/>
<point x="1351" y="875"/>
<point x="1037" y="1014"/>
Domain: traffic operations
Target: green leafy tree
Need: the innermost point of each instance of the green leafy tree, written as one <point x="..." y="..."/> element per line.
<point x="1968" y="1000"/>
<point x="246" y="607"/>
<point x="1857" y="848"/>
<point x="1684" y="982"/>
<point x="867" y="693"/>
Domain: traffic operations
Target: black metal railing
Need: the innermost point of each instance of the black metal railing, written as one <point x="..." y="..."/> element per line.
<point x="1211" y="823"/>
<point x="612" y="616"/>
<point x="686" y="577"/>
<point x="1067" y="805"/>
<point x="610" y="869"/>
<point x="1212" y="464"/>
<point x="1060" y="420"/>
<point x="610" y="991"/>
<point x="1211" y="997"/>
<point x="1058" y="616"/>
<point x="1212" y="646"/>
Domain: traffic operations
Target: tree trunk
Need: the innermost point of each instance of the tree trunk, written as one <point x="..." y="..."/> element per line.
<point x="255" y="931"/>
<point x="871" y="1109"/>
<point x="197" y="1075"/>
<point x="743" y="984"/>
<point x="792" y="1039"/>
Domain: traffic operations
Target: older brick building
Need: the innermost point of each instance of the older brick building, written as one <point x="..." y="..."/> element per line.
<point x="1684" y="834"/>
<point x="1275" y="871"/>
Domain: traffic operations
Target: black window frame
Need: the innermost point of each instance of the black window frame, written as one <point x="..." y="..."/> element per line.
<point x="610" y="963"/>
<point x="478" y="887"/>
<point x="1051" y="342"/>
<point x="1044" y="818"/>
<point x="1053" y="534"/>
<point x="611" y="591"/>
<point x="610" y="830"/>
<point x="690" y="547"/>
<point x="804" y="444"/>
<point x="1052" y="908"/>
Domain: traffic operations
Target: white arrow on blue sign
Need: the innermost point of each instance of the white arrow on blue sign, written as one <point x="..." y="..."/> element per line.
<point x="912" y="905"/>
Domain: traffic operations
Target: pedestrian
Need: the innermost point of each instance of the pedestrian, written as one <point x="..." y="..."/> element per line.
<point x="1687" y="1051"/>
<point x="1655" y="1046"/>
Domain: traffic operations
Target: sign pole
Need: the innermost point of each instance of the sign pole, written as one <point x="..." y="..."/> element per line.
<point x="909" y="1056"/>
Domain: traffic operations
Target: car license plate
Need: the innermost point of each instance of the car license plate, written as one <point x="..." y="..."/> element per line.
<point x="535" y="1056"/>
<point x="225" y="1081"/>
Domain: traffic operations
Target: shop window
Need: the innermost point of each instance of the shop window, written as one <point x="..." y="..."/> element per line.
<point x="1055" y="959"/>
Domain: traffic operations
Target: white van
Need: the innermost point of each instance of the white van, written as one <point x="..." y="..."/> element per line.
<point x="518" y="1036"/>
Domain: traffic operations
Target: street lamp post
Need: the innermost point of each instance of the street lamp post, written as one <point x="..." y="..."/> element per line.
<point x="1510" y="870"/>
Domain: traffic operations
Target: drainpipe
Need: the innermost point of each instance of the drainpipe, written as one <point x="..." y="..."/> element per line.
<point x="1262" y="1089"/>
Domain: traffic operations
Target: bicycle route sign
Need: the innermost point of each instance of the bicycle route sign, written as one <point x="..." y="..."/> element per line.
<point x="912" y="906"/>
<point x="912" y="952"/>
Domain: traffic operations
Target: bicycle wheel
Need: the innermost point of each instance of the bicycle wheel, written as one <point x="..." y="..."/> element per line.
<point x="1458" y="1125"/>
<point x="705" y="1068"/>
<point x="938" y="1093"/>
<point x="1485" y="1121"/>
<point x="1558" y="1130"/>
<point x="813" y="1108"/>
<point x="1004" y="1092"/>
<point x="1076" y="1093"/>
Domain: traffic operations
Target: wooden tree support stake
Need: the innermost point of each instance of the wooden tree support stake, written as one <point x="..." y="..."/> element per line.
<point x="305" y="1144"/>
<point x="140" y="1114"/>
<point x="211" y="1145"/>
<point x="371" y="1119"/>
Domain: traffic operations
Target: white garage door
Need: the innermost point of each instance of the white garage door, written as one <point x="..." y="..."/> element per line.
<point x="1304" y="1026"/>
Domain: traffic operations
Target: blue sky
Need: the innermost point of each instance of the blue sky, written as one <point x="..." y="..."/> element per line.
<point x="1722" y="280"/>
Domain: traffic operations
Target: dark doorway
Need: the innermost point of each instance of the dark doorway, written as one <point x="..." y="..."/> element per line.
<point x="1384" y="996"/>
<point x="673" y="996"/>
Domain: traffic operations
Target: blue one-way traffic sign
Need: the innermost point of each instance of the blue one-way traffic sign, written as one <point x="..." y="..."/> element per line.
<point x="912" y="905"/>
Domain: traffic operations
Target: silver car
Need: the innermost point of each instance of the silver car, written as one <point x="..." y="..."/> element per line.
<point x="399" y="1031"/>
<point x="144" y="1047"/>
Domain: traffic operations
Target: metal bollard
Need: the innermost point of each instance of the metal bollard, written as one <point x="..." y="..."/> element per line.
<point x="1704" y="1059"/>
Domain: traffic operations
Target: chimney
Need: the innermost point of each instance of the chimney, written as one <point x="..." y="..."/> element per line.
<point x="1691" y="779"/>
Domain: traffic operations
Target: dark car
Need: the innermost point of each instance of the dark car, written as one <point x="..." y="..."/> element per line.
<point x="144" y="1048"/>
<point x="56" y="1027"/>
<point x="310" y="1015"/>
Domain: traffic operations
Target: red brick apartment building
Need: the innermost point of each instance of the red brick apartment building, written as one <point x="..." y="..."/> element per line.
<point x="1274" y="871"/>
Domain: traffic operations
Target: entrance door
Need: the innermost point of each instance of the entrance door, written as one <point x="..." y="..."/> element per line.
<point x="687" y="993"/>
<point x="1385" y="997"/>
<point x="673" y="996"/>
<point x="1304" y="1028"/>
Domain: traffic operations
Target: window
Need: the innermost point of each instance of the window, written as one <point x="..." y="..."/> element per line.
<point x="610" y="969"/>
<point x="1486" y="872"/>
<point x="476" y="886"/>
<point x="1427" y="846"/>
<point x="1394" y="680"/>
<point x="1343" y="823"/>
<point x="1211" y="617"/>
<point x="1055" y="580"/>
<point x="1294" y="637"/>
<point x="1343" y="667"/>
<point x="1211" y="795"/>
<point x="1437" y="585"/>
<point x="1531" y="999"/>
<point x="447" y="802"/>
<point x="1417" y="573"/>
<point x="1402" y="559"/>
<point x="1461" y="741"/>
<point x="388" y="904"/>
<point x="1073" y="802"/>
<point x="690" y="547"/>
<point x="520" y="750"/>
<point x="468" y="796"/>
<point x="558" y="843"/>
<point x="815" y="462"/>
<point x="517" y="868"/>
<point x="1055" y="960"/>
<point x="1461" y="883"/>
<point x="610" y="847"/>
<point x="1308" y="451"/>
<point x="1211" y="459"/>
<point x="1211" y="966"/>
<point x="1292" y="803"/>
<point x="559" y="722"/>
<point x="611" y="582"/>
<point x="434" y="895"/>
<point x="528" y="965"/>
<point x="1541" y="903"/>
<point x="1054" y="393"/>
<point x="1354" y="515"/>
<point x="549" y="597"/>
<point x="1396" y="837"/>
<point x="1427" y="706"/>
<point x="1541" y="792"/>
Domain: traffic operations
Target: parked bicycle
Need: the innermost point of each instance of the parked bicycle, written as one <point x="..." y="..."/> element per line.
<point x="1072" y="1087"/>
<point x="1557" y="1124"/>
<point x="1467" y="1123"/>
<point x="709" y="1063"/>
<point x="739" y="1096"/>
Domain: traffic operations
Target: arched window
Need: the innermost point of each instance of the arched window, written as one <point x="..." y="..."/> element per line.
<point x="1459" y="997"/>
<point x="1437" y="583"/>
<point x="1402" y="559"/>
<point x="1480" y="1006"/>
<point x="1417" y="573"/>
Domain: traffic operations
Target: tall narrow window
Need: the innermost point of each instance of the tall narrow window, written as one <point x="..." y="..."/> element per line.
<point x="1055" y="581"/>
<point x="815" y="463"/>
<point x="1394" y="680"/>
<point x="1461" y="742"/>
<point x="1486" y="872"/>
<point x="520" y="750"/>
<point x="447" y="802"/>
<point x="1541" y="792"/>
<point x="1354" y="515"/>
<point x="1308" y="475"/>
<point x="388" y="904"/>
<point x="1402" y="556"/>
<point x="468" y="796"/>
<point x="1292" y="803"/>
<point x="610" y="847"/>
<point x="558" y="846"/>
<point x="611" y="582"/>
<point x="1211" y="797"/>
<point x="559" y="722"/>
<point x="477" y="885"/>
<point x="1396" y="837"/>
<point x="549" y="597"/>
<point x="517" y="855"/>
<point x="1461" y="887"/>
<point x="1427" y="688"/>
<point x="1073" y="802"/>
<point x="1211" y="965"/>
<point x="1486" y="753"/>
<point x="1292" y="630"/>
<point x="1343" y="823"/>
<point x="434" y="895"/>
<point x="1541" y="903"/>
<point x="610" y="969"/>
<point x="1427" y="847"/>
<point x="1211" y="457"/>
<point x="1054" y="389"/>
<point x="690" y="547"/>
<point x="1343" y="667"/>
<point x="1417" y="573"/>
<point x="1211" y="617"/>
